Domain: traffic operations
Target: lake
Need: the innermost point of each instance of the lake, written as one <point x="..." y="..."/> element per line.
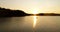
<point x="30" y="24"/>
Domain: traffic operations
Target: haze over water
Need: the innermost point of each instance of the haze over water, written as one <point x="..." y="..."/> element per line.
<point x="31" y="24"/>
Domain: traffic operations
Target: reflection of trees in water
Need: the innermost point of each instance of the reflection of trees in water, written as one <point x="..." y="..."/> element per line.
<point x="4" y="23"/>
<point x="11" y="23"/>
<point x="5" y="19"/>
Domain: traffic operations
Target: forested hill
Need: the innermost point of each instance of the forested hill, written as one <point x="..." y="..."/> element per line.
<point x="9" y="13"/>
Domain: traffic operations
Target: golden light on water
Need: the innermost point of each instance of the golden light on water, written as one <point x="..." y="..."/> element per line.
<point x="35" y="11"/>
<point x="34" y="23"/>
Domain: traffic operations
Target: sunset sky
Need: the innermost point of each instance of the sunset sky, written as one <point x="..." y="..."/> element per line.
<point x="32" y="6"/>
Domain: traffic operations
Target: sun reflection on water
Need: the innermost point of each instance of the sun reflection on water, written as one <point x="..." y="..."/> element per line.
<point x="34" y="23"/>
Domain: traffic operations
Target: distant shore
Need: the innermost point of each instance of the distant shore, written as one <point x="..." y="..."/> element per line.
<point x="19" y="13"/>
<point x="44" y="14"/>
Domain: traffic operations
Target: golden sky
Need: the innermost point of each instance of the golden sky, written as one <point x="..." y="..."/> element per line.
<point x="31" y="6"/>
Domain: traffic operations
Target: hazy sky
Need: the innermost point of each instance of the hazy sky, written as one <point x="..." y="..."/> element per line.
<point x="29" y="6"/>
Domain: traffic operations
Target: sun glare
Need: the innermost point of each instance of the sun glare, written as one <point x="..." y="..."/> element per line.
<point x="35" y="11"/>
<point x="34" y="23"/>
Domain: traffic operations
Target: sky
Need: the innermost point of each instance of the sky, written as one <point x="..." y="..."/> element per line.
<point x="32" y="6"/>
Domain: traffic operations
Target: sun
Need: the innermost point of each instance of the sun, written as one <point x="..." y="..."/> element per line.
<point x="35" y="11"/>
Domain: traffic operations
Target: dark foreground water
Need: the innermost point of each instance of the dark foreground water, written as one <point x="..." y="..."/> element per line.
<point x="30" y="24"/>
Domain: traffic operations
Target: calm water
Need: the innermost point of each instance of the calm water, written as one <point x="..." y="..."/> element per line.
<point x="31" y="24"/>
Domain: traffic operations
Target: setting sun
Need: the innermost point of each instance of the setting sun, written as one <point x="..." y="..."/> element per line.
<point x="35" y="11"/>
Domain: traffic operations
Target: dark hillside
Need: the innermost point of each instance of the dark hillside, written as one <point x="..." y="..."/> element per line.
<point x="9" y="13"/>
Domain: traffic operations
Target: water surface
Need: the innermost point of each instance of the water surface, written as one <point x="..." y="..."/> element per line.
<point x="31" y="24"/>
